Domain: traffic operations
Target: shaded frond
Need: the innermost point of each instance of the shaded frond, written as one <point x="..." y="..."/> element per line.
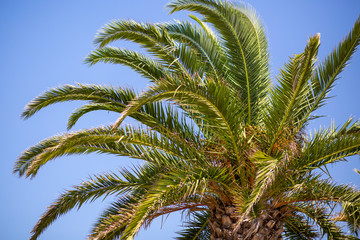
<point x="197" y="228"/>
<point x="321" y="218"/>
<point x="267" y="170"/>
<point x="299" y="228"/>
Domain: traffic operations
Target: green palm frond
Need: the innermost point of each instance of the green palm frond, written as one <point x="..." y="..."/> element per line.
<point x="320" y="217"/>
<point x="329" y="146"/>
<point x="101" y="185"/>
<point x="216" y="109"/>
<point x="245" y="45"/>
<point x="328" y="192"/>
<point x="24" y="161"/>
<point x="132" y="142"/>
<point x="267" y="170"/>
<point x="201" y="41"/>
<point x="160" y="117"/>
<point x="113" y="222"/>
<point x="147" y="67"/>
<point x="78" y="113"/>
<point x="197" y="228"/>
<point x="93" y="93"/>
<point x="178" y="189"/>
<point x="289" y="98"/>
<point x="115" y="219"/>
<point x="328" y="71"/>
<point x="155" y="39"/>
<point x="299" y="228"/>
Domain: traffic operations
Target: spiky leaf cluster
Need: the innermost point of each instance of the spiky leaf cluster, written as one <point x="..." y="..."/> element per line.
<point x="213" y="131"/>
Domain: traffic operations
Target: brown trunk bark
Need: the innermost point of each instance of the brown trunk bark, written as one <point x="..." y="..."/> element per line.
<point x="224" y="225"/>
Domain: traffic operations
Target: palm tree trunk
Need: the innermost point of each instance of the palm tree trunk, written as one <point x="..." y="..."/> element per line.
<point x="223" y="225"/>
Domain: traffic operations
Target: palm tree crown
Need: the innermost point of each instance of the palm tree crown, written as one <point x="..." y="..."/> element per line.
<point x="218" y="140"/>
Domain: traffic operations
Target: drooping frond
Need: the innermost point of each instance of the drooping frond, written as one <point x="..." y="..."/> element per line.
<point x="24" y="161"/>
<point x="147" y="67"/>
<point x="78" y="113"/>
<point x="93" y="93"/>
<point x="180" y="189"/>
<point x="98" y="186"/>
<point x="113" y="221"/>
<point x="321" y="218"/>
<point x="132" y="142"/>
<point x="162" y="118"/>
<point x="197" y="228"/>
<point x="155" y="39"/>
<point x="323" y="191"/>
<point x="299" y="228"/>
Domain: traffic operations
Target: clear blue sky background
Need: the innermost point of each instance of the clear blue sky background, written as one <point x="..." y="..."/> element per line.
<point x="42" y="45"/>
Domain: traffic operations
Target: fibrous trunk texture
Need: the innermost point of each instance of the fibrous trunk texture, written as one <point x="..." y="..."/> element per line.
<point x="224" y="225"/>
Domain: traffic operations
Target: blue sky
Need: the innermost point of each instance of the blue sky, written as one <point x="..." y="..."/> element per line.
<point x="43" y="44"/>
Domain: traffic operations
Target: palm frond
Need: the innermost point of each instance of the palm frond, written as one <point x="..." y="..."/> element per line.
<point x="289" y="98"/>
<point x="89" y="191"/>
<point x="113" y="221"/>
<point x="197" y="228"/>
<point x="299" y="228"/>
<point x="245" y="45"/>
<point x="160" y="117"/>
<point x="328" y="71"/>
<point x="209" y="101"/>
<point x="78" y="113"/>
<point x="137" y="143"/>
<point x="201" y="41"/>
<point x="24" y="160"/>
<point x="267" y="170"/>
<point x="147" y="67"/>
<point x="329" y="146"/>
<point x="321" y="218"/>
<point x="93" y="93"/>
<point x="155" y="39"/>
<point x="186" y="188"/>
<point x="325" y="191"/>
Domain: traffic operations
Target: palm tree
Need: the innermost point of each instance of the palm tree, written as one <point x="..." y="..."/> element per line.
<point x="217" y="140"/>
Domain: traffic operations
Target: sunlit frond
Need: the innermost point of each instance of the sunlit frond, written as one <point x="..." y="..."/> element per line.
<point x="288" y="100"/>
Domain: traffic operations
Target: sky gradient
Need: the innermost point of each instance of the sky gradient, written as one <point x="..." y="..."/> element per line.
<point x="43" y="44"/>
